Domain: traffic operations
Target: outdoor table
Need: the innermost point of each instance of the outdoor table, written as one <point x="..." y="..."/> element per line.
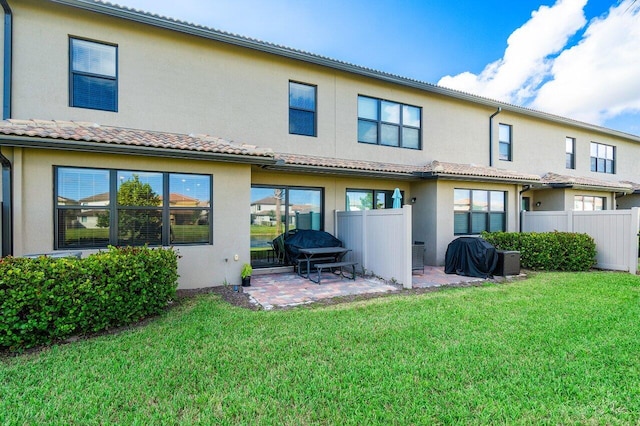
<point x="319" y="253"/>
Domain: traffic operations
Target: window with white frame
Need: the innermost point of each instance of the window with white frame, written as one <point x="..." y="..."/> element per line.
<point x="603" y="158"/>
<point x="99" y="207"/>
<point x="588" y="203"/>
<point x="389" y="123"/>
<point x="505" y="136"/>
<point x="93" y="79"/>
<point x="570" y="156"/>
<point x="477" y="210"/>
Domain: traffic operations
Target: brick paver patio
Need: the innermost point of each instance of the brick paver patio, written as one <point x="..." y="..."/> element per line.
<point x="289" y="289"/>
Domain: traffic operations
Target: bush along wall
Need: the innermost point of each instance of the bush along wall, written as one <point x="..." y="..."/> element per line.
<point x="47" y="299"/>
<point x="548" y="251"/>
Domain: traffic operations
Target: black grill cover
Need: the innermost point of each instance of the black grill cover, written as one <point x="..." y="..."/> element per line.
<point x="471" y="257"/>
<point x="307" y="238"/>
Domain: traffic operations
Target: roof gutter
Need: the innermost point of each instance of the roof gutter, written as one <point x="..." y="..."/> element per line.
<point x="491" y="135"/>
<point x="448" y="176"/>
<point x="293" y="168"/>
<point x="7" y="196"/>
<point x="589" y="187"/>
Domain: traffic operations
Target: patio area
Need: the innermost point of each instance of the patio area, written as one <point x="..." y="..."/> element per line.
<point x="281" y="290"/>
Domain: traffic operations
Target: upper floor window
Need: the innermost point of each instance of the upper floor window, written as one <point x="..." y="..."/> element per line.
<point x="570" y="157"/>
<point x="505" y="134"/>
<point x="368" y="199"/>
<point x="93" y="80"/>
<point x="478" y="210"/>
<point x="302" y="109"/>
<point x="588" y="203"/>
<point x="389" y="123"/>
<point x="98" y="207"/>
<point x="603" y="158"/>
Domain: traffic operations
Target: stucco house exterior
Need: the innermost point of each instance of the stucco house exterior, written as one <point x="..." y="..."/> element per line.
<point x="101" y="102"/>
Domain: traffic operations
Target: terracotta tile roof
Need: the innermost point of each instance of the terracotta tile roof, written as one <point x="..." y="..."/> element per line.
<point x="635" y="186"/>
<point x="345" y="164"/>
<point x="91" y="132"/>
<point x="439" y="168"/>
<point x="556" y="179"/>
<point x="433" y="169"/>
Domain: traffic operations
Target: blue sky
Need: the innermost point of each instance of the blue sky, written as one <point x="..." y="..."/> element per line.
<point x="575" y="58"/>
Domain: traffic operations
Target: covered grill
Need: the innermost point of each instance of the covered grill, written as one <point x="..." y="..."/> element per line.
<point x="471" y="257"/>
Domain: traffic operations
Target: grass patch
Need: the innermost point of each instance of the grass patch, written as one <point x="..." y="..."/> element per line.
<point x="557" y="348"/>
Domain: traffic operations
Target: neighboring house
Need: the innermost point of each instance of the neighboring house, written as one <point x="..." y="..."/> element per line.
<point x="96" y="96"/>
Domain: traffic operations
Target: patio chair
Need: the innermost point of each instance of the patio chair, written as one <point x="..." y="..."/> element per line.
<point x="279" y="250"/>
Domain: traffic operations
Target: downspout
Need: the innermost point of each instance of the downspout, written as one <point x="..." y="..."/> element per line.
<point x="7" y="196"/>
<point x="524" y="189"/>
<point x="491" y="135"/>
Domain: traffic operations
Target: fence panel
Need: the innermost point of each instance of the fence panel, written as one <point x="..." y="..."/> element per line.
<point x="614" y="231"/>
<point x="350" y="230"/>
<point x="380" y="241"/>
<point x="545" y="221"/>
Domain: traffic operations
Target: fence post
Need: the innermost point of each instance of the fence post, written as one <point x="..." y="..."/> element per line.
<point x="634" y="229"/>
<point x="365" y="243"/>
<point x="570" y="221"/>
<point x="407" y="280"/>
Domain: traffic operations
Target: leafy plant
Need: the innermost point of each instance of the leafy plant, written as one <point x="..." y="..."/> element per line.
<point x="47" y="299"/>
<point x="247" y="270"/>
<point x="550" y="251"/>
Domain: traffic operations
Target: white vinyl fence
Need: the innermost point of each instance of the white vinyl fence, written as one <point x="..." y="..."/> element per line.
<point x="614" y="231"/>
<point x="380" y="241"/>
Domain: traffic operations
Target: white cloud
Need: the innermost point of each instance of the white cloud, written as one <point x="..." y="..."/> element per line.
<point x="595" y="80"/>
<point x="599" y="78"/>
<point x="528" y="57"/>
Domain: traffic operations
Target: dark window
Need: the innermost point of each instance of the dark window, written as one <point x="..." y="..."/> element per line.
<point x="588" y="203"/>
<point x="603" y="158"/>
<point x="93" y="78"/>
<point x="302" y="109"/>
<point x="95" y="208"/>
<point x="570" y="159"/>
<point x="389" y="123"/>
<point x="478" y="210"/>
<point x="506" y="138"/>
<point x="368" y="199"/>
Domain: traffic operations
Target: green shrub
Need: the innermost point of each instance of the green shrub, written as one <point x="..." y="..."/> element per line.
<point x="549" y="251"/>
<point x="46" y="299"/>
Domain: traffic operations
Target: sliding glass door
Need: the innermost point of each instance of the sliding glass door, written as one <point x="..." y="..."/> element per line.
<point x="277" y="210"/>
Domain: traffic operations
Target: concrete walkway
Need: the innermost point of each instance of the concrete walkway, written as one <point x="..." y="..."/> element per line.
<point x="289" y="289"/>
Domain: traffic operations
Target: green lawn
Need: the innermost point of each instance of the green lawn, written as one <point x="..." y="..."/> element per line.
<point x="553" y="349"/>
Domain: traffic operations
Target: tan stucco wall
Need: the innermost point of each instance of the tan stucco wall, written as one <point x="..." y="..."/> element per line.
<point x="200" y="266"/>
<point x="425" y="217"/>
<point x="174" y="82"/>
<point x="628" y="201"/>
<point x="539" y="147"/>
<point x="433" y="213"/>
<point x="560" y="199"/>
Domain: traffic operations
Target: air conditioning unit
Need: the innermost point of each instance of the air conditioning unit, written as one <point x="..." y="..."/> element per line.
<point x="508" y="263"/>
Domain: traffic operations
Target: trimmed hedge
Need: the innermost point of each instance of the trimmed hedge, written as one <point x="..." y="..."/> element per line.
<point x="548" y="251"/>
<point x="47" y="299"/>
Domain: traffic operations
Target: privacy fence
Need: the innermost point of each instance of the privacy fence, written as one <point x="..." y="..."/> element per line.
<point x="614" y="231"/>
<point x="380" y="241"/>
